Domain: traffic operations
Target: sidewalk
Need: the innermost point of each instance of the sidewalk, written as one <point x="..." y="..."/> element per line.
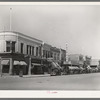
<point x="42" y="75"/>
<point x="25" y="76"/>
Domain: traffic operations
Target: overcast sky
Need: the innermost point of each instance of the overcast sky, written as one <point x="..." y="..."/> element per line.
<point x="79" y="26"/>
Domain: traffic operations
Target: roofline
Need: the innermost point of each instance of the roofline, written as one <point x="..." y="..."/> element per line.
<point x="22" y="34"/>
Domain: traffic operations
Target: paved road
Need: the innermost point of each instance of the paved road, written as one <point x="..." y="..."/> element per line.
<point x="46" y="82"/>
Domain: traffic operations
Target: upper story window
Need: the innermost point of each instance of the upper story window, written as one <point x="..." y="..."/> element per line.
<point x="44" y="53"/>
<point x="10" y="46"/>
<point x="36" y="51"/>
<point x="40" y="51"/>
<point x="27" y="48"/>
<point x="22" y="47"/>
<point x="13" y="47"/>
<point x="32" y="50"/>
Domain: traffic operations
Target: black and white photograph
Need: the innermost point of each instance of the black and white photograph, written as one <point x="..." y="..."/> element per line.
<point x="50" y="46"/>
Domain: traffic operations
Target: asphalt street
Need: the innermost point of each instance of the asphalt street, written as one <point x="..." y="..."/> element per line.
<point x="46" y="82"/>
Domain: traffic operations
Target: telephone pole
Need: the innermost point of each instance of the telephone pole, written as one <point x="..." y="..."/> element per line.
<point x="10" y="19"/>
<point x="66" y="52"/>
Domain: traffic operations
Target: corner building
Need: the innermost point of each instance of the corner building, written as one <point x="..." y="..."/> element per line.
<point x="16" y="47"/>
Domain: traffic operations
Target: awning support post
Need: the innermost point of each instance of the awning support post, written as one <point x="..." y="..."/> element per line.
<point x="0" y="66"/>
<point x="29" y="69"/>
<point x="11" y="66"/>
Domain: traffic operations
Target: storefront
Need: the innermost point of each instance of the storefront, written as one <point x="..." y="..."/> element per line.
<point x="11" y="63"/>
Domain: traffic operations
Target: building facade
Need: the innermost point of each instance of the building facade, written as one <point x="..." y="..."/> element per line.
<point x="55" y="54"/>
<point x="47" y="51"/>
<point x="17" y="47"/>
<point x="76" y="59"/>
<point x="62" y="56"/>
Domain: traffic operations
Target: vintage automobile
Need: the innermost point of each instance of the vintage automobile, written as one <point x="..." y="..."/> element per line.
<point x="88" y="69"/>
<point x="65" y="69"/>
<point x="55" y="69"/>
<point x="98" y="68"/>
<point x="94" y="69"/>
<point x="74" y="69"/>
<point x="82" y="70"/>
<point x="37" y="68"/>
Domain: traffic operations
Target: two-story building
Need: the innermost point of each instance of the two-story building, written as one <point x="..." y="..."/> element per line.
<point x="62" y="56"/>
<point x="47" y="51"/>
<point x="17" y="48"/>
<point x="55" y="53"/>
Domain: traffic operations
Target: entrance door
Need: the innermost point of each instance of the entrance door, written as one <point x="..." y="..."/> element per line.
<point x="5" y="69"/>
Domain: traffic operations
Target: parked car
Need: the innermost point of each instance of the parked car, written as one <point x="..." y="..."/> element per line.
<point x="74" y="70"/>
<point x="98" y="68"/>
<point x="65" y="69"/>
<point x="94" y="69"/>
<point x="55" y="69"/>
<point x="88" y="69"/>
<point x="82" y="70"/>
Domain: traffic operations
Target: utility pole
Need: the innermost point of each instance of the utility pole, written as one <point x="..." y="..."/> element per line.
<point x="66" y="52"/>
<point x="10" y="19"/>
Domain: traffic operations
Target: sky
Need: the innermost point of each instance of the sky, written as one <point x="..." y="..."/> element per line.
<point x="76" y="25"/>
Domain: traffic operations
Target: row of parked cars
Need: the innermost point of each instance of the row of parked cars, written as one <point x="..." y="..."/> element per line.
<point x="65" y="69"/>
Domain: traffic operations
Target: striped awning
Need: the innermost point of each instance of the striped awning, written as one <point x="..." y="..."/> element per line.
<point x="35" y="64"/>
<point x="20" y="63"/>
<point x="5" y="62"/>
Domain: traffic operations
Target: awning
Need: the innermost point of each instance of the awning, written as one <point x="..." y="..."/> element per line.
<point x="16" y="62"/>
<point x="20" y="63"/>
<point x="5" y="62"/>
<point x="72" y="68"/>
<point x="35" y="64"/>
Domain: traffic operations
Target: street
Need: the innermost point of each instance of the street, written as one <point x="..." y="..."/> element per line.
<point x="89" y="81"/>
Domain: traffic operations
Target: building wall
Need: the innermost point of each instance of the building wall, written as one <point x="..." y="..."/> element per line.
<point x="76" y="59"/>
<point x="47" y="51"/>
<point x="25" y="43"/>
<point x="62" y="55"/>
<point x="19" y="38"/>
<point x="55" y="53"/>
<point x="6" y="36"/>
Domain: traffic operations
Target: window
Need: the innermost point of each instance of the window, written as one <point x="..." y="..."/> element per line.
<point x="27" y="48"/>
<point x="58" y="56"/>
<point x="36" y="51"/>
<point x="44" y="53"/>
<point x="22" y="47"/>
<point x="13" y="46"/>
<point x="40" y="50"/>
<point x="8" y="46"/>
<point x="32" y="50"/>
